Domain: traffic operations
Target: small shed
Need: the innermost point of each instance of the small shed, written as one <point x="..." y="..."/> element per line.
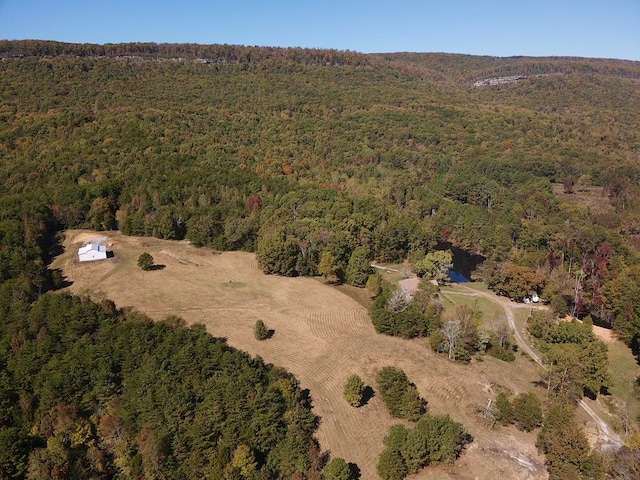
<point x="91" y="252"/>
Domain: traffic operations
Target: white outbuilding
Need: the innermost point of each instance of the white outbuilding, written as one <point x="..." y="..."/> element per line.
<point x="91" y="252"/>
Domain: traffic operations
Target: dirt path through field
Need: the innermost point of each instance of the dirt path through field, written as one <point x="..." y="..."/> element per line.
<point x="609" y="439"/>
<point x="322" y="336"/>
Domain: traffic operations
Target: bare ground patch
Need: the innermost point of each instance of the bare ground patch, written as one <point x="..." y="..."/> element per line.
<point x="322" y="336"/>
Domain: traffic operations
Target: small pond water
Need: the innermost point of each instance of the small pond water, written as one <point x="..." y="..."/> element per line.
<point x="464" y="263"/>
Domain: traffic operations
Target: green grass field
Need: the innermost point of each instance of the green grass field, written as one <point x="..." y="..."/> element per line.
<point x="624" y="370"/>
<point x="452" y="298"/>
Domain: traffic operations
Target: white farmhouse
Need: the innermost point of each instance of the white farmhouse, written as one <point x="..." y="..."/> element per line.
<point x="92" y="251"/>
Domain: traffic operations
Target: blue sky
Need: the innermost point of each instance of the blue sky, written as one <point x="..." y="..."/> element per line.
<point x="586" y="28"/>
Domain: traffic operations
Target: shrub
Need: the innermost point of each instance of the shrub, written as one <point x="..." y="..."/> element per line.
<point x="462" y="355"/>
<point x="527" y="411"/>
<point x="337" y="469"/>
<point x="260" y="330"/>
<point x="354" y="391"/>
<point x="145" y="261"/>
<point x="501" y="353"/>
<point x="504" y="410"/>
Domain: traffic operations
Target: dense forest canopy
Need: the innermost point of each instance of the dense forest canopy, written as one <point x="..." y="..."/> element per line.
<point x="297" y="152"/>
<point x="87" y="391"/>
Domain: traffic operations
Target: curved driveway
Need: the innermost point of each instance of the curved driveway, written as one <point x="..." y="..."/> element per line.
<point x="610" y="438"/>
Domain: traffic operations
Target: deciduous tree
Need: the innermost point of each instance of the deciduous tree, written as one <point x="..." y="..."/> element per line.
<point x="435" y="265"/>
<point x="328" y="267"/>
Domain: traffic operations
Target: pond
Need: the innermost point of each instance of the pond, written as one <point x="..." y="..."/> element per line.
<point x="464" y="263"/>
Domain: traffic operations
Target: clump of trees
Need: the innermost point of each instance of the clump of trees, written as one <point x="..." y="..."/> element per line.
<point x="400" y="396"/>
<point x="354" y="391"/>
<point x="462" y="335"/>
<point x="525" y="411"/>
<point x="394" y="313"/>
<point x="576" y="360"/>
<point x="565" y="446"/>
<point x="434" y="439"/>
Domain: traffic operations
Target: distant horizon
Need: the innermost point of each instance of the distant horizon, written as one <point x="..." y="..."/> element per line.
<point x="315" y="48"/>
<point x="492" y="28"/>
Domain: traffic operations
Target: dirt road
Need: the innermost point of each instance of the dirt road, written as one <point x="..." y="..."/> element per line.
<point x="609" y="438"/>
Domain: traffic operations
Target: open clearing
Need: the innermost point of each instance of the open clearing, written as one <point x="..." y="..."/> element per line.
<point x="322" y="336"/>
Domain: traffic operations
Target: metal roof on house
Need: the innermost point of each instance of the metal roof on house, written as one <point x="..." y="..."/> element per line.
<point x="92" y="246"/>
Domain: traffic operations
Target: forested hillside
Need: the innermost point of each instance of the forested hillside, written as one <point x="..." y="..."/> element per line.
<point x="303" y="155"/>
<point x="87" y="391"/>
<point x="296" y="152"/>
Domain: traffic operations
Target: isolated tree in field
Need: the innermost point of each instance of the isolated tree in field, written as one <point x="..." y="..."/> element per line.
<point x="145" y="261"/>
<point x="260" y="331"/>
<point x="328" y="267"/>
<point x="359" y="267"/>
<point x="354" y="391"/>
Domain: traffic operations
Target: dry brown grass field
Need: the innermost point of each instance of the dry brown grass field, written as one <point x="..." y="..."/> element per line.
<point x="322" y="336"/>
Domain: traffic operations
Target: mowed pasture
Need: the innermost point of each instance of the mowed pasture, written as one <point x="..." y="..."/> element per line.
<point x="322" y="336"/>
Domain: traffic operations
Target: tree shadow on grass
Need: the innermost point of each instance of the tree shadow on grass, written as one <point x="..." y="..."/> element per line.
<point x="58" y="280"/>
<point x="270" y="333"/>
<point x="367" y="395"/>
<point x="156" y="267"/>
<point x="354" y="470"/>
